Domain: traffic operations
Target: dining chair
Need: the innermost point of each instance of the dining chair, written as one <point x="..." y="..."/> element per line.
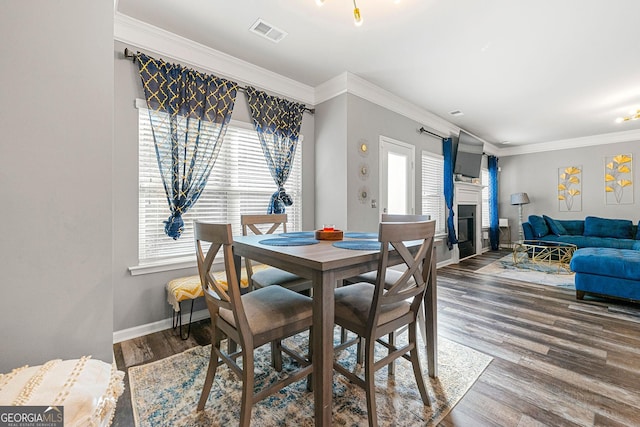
<point x="250" y="320"/>
<point x="271" y="276"/>
<point x="372" y="312"/>
<point x="391" y="276"/>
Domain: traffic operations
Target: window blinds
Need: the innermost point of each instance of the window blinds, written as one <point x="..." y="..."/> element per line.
<point x="433" y="190"/>
<point x="240" y="183"/>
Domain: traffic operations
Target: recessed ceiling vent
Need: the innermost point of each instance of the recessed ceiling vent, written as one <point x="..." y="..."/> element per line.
<point x="268" y="31"/>
<point x="456" y="113"/>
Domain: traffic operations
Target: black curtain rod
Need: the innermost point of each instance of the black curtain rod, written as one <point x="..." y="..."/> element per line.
<point x="132" y="56"/>
<point x="423" y="130"/>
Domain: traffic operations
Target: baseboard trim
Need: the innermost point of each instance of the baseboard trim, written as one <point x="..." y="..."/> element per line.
<point x="160" y="325"/>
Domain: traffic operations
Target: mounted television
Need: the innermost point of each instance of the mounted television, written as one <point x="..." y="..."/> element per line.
<point x="468" y="155"/>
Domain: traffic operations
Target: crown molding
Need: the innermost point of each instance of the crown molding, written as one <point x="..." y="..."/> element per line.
<point x="350" y="83"/>
<point x="145" y="36"/>
<point x="565" y="144"/>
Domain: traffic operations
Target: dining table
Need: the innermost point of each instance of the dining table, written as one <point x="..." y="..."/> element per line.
<point x="326" y="266"/>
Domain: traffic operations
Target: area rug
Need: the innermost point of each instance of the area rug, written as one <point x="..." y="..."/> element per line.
<point x="166" y="392"/>
<point x="530" y="272"/>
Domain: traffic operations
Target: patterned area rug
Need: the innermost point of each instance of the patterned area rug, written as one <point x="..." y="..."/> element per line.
<point x="529" y="272"/>
<point x="166" y="392"/>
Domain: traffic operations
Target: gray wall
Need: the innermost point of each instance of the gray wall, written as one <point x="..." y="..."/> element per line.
<point x="342" y="123"/>
<point x="56" y="116"/>
<point x="536" y="175"/>
<point x="331" y="163"/>
<point x="140" y="300"/>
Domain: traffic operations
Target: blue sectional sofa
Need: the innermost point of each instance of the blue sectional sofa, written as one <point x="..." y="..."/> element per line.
<point x="607" y="262"/>
<point x="592" y="232"/>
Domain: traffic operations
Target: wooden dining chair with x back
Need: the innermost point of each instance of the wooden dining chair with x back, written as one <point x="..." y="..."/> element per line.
<point x="268" y="224"/>
<point x="391" y="276"/>
<point x="250" y="320"/>
<point x="372" y="312"/>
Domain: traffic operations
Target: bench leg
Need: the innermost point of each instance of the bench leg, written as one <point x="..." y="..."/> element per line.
<point x="176" y="321"/>
<point x="579" y="295"/>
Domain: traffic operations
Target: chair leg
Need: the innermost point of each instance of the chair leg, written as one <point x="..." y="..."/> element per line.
<point x="370" y="383"/>
<point x="415" y="362"/>
<point x="276" y="355"/>
<point x="211" y="370"/>
<point x="310" y="376"/>
<point x="391" y="366"/>
<point x="247" y="387"/>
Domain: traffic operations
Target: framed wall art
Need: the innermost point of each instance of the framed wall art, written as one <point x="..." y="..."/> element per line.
<point x="570" y="189"/>
<point x="618" y="179"/>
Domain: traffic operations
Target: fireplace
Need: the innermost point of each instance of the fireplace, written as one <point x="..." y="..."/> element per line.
<point x="467" y="230"/>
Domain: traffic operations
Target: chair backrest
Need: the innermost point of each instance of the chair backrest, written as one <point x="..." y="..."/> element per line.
<point x="404" y="218"/>
<point x="397" y="235"/>
<point x="250" y="222"/>
<point x="217" y="296"/>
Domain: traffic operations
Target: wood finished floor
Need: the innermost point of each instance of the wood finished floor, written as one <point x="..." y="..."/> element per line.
<point x="557" y="361"/>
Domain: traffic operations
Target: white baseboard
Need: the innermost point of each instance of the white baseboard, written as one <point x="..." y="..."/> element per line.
<point x="160" y="325"/>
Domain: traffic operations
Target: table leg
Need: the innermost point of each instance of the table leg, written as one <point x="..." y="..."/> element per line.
<point x="431" y="320"/>
<point x="323" y="318"/>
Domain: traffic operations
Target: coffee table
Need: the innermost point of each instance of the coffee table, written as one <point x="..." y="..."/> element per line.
<point x="543" y="252"/>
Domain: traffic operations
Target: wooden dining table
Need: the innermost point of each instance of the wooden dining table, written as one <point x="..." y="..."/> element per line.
<point x="325" y="265"/>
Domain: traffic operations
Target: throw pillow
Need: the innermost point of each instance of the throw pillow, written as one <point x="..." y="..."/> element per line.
<point x="603" y="227"/>
<point x="555" y="226"/>
<point x="574" y="227"/>
<point x="539" y="226"/>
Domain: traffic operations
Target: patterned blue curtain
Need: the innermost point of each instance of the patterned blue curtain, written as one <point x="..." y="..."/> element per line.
<point x="189" y="113"/>
<point x="494" y="229"/>
<point x="447" y="147"/>
<point x="277" y="122"/>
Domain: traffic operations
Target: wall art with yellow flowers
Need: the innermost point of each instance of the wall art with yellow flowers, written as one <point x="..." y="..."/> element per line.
<point x="618" y="179"/>
<point x="570" y="189"/>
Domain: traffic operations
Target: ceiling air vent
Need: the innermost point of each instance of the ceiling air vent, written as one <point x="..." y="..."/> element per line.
<point x="456" y="113"/>
<point x="266" y="30"/>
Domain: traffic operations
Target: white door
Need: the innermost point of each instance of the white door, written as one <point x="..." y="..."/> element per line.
<point x="397" y="177"/>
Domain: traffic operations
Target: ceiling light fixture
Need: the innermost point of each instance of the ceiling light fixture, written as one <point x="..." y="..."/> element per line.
<point x="633" y="115"/>
<point x="357" y="17"/>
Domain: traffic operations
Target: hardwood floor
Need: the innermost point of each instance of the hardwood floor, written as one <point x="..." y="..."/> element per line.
<point x="557" y="361"/>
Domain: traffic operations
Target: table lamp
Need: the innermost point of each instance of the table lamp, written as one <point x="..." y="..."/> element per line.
<point x="520" y="199"/>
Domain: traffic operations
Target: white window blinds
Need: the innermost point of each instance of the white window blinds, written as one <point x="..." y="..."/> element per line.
<point x="432" y="189"/>
<point x="240" y="183"/>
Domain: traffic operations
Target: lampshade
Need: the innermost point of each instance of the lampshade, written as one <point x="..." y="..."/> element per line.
<point x="519" y="199"/>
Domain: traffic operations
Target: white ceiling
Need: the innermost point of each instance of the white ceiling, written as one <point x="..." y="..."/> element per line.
<point x="523" y="72"/>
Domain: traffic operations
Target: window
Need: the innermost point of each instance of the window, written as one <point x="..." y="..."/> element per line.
<point x="432" y="189"/>
<point x="484" y="176"/>
<point x="240" y="183"/>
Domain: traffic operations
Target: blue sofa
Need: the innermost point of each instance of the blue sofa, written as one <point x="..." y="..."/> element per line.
<point x="592" y="232"/>
<point x="607" y="262"/>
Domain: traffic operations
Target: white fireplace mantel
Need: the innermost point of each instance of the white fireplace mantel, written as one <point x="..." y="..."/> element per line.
<point x="466" y="193"/>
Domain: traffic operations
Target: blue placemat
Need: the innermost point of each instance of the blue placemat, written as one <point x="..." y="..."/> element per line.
<point x="288" y="241"/>
<point x="360" y="235"/>
<point x="358" y="245"/>
<point x="301" y="234"/>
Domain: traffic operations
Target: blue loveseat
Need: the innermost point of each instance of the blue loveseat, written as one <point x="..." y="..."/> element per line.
<point x="607" y="262"/>
<point x="592" y="232"/>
